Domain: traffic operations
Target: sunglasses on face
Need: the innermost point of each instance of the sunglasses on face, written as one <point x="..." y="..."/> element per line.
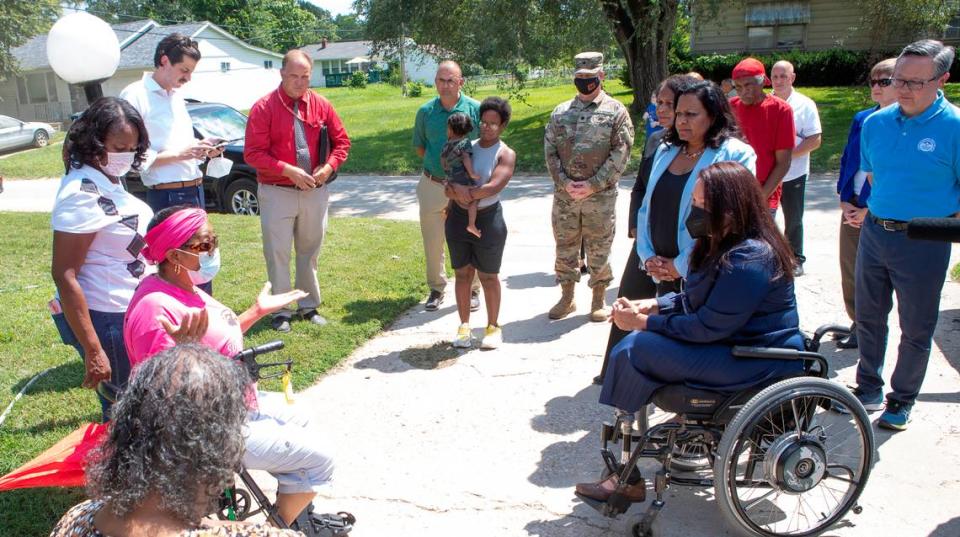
<point x="203" y="247"/>
<point x="882" y="82"/>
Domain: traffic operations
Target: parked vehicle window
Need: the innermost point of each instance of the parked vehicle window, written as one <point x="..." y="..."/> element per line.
<point x="219" y="122"/>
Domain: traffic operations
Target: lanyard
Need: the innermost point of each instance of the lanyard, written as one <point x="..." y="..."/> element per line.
<point x="314" y="124"/>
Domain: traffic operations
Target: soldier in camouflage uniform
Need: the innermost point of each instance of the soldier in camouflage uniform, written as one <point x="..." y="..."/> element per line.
<point x="587" y="145"/>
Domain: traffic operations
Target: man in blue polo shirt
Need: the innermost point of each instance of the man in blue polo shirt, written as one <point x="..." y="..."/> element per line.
<point x="429" y="135"/>
<point x="912" y="152"/>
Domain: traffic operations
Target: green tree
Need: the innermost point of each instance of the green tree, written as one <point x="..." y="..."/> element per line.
<point x="19" y="21"/>
<point x="349" y="27"/>
<point x="897" y="21"/>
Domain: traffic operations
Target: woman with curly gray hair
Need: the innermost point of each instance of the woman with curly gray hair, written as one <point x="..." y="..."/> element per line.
<point x="173" y="445"/>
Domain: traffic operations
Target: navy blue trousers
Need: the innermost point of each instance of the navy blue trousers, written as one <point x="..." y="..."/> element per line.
<point x="109" y="329"/>
<point x="643" y="362"/>
<point x="888" y="262"/>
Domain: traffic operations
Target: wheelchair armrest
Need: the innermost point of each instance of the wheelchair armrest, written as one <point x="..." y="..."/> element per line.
<point x="775" y="353"/>
<point x="768" y="353"/>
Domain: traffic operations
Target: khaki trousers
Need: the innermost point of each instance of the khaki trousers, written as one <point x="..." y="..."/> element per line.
<point x="849" y="240"/>
<point x="297" y="218"/>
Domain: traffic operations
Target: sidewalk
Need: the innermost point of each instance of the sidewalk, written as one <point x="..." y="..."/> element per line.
<point x="436" y="442"/>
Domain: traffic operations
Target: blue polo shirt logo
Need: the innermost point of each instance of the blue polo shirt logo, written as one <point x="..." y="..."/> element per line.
<point x="927" y="145"/>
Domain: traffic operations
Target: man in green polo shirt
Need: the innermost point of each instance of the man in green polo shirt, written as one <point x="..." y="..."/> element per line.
<point x="429" y="135"/>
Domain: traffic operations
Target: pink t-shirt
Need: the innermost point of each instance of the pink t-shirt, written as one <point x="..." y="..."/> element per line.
<point x="144" y="336"/>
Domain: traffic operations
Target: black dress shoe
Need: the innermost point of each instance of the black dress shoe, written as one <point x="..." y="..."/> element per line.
<point x="313" y="317"/>
<point x="434" y="301"/>
<point x="280" y="324"/>
<point x="849" y="342"/>
<point x="474" y="300"/>
<point x="598" y="379"/>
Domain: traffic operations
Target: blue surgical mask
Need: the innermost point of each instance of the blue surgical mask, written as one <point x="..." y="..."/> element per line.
<point x="209" y="267"/>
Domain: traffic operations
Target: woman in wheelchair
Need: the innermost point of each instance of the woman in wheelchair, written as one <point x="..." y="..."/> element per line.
<point x="168" y="309"/>
<point x="157" y="473"/>
<point x="739" y="292"/>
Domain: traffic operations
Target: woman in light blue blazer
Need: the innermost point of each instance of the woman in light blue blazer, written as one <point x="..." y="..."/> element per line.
<point x="704" y="132"/>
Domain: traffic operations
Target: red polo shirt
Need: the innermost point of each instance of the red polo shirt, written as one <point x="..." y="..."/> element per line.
<point x="768" y="127"/>
<point x="269" y="138"/>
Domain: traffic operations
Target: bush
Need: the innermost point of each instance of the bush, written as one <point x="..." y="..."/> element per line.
<point x="833" y="67"/>
<point x="415" y="89"/>
<point x="358" y="80"/>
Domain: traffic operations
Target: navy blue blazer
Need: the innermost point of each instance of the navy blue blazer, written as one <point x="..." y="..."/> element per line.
<point x="850" y="162"/>
<point x="739" y="303"/>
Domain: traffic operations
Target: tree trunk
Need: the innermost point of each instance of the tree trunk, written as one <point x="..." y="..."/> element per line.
<point x="643" y="29"/>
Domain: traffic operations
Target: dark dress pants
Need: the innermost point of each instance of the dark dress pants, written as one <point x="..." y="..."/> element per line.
<point x="888" y="262"/>
<point x="792" y="203"/>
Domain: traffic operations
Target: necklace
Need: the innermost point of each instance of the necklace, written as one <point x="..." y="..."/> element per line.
<point x="688" y="154"/>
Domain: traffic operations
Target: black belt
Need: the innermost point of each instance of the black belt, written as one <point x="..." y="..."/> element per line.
<point x="888" y="225"/>
<point x="434" y="178"/>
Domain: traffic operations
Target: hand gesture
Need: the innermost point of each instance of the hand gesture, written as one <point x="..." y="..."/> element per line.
<point x="214" y="143"/>
<point x="268" y="303"/>
<point x="97" y="367"/>
<point x="579" y="190"/>
<point x="192" y="327"/>
<point x="197" y="150"/>
<point x="661" y="268"/>
<point x="322" y="173"/>
<point x="302" y="179"/>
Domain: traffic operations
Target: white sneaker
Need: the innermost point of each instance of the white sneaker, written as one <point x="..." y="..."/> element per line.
<point x="492" y="338"/>
<point x="464" y="339"/>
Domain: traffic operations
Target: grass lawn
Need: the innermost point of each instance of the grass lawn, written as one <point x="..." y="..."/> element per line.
<point x="370" y="272"/>
<point x="380" y="124"/>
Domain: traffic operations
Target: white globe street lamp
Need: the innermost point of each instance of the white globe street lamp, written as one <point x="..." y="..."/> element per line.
<point x="82" y="49"/>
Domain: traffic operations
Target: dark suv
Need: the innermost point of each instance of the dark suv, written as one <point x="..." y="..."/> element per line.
<point x="234" y="193"/>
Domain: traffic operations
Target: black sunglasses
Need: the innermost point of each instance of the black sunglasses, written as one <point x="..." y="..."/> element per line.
<point x="882" y="82"/>
<point x="205" y="246"/>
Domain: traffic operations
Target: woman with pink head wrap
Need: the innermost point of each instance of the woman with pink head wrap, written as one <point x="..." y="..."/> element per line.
<point x="168" y="308"/>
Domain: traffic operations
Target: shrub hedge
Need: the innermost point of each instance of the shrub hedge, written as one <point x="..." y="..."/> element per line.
<point x="832" y="67"/>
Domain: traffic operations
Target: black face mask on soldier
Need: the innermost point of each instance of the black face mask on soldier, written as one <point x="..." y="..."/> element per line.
<point x="698" y="223"/>
<point x="586" y="86"/>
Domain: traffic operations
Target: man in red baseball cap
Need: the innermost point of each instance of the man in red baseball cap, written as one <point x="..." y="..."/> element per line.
<point x="767" y="122"/>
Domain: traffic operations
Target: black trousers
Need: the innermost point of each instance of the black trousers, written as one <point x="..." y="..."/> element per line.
<point x="792" y="203"/>
<point x="634" y="285"/>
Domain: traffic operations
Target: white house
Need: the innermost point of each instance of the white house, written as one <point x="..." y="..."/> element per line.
<point x="230" y="71"/>
<point x="333" y="62"/>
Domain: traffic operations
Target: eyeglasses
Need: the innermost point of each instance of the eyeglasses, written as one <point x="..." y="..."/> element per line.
<point x="448" y="81"/>
<point x="882" y="82"/>
<point x="205" y="246"/>
<point x="485" y="125"/>
<point x="912" y="85"/>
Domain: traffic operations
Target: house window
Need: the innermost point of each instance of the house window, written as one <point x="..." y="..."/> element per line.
<point x="37" y="88"/>
<point x="773" y="25"/>
<point x="268" y="64"/>
<point x="224" y="67"/>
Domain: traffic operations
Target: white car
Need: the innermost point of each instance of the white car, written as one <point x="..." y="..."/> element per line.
<point x="15" y="133"/>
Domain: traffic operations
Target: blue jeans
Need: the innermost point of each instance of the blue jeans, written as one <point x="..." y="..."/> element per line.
<point x="888" y="262"/>
<point x="109" y="329"/>
<point x="191" y="195"/>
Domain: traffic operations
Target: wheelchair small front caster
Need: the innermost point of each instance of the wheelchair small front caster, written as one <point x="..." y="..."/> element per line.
<point x="857" y="509"/>
<point x="640" y="530"/>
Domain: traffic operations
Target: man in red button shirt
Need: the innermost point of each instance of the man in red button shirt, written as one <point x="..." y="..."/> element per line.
<point x="283" y="144"/>
<point x="767" y="122"/>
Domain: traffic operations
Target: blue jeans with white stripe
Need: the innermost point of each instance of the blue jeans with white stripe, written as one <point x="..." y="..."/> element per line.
<point x="888" y="262"/>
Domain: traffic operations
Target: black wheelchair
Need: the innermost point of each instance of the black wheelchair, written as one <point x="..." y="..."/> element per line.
<point x="781" y="458"/>
<point x="237" y="503"/>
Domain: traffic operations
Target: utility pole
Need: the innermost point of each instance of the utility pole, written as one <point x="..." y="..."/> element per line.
<point x="403" y="63"/>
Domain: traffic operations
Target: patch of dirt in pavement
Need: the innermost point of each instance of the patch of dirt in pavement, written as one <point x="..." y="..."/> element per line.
<point x="436" y="356"/>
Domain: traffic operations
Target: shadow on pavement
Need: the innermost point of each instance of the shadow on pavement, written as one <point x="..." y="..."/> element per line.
<point x="436" y="356"/>
<point x="530" y="280"/>
<point x="950" y="528"/>
<point x="539" y="329"/>
<point x="573" y="524"/>
<point x="566" y="463"/>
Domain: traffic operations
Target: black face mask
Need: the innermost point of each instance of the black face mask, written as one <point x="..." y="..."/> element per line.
<point x="698" y="223"/>
<point x="586" y="86"/>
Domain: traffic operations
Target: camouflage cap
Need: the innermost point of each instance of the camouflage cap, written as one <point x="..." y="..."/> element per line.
<point x="588" y="63"/>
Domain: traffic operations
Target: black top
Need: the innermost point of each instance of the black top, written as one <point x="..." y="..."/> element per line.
<point x="665" y="213"/>
<point x="643" y="175"/>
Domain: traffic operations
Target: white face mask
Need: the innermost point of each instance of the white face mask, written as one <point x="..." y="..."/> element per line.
<point x="118" y="164"/>
<point x="219" y="166"/>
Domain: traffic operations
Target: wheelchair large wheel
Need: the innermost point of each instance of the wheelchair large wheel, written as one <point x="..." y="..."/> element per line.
<point x="787" y="465"/>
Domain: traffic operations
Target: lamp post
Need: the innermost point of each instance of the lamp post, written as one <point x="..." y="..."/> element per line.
<point x="82" y="49"/>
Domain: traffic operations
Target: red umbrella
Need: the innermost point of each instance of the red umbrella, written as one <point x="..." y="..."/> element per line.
<point x="60" y="466"/>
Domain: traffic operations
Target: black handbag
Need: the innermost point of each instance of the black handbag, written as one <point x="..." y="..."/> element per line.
<point x="325" y="151"/>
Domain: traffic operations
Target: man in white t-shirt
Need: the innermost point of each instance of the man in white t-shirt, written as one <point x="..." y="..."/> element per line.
<point x="806" y="121"/>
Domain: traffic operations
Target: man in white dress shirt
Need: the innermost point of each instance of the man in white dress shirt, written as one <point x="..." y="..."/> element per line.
<point x="806" y="121"/>
<point x="171" y="171"/>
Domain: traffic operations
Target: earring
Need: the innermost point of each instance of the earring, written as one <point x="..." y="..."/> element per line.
<point x="176" y="269"/>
